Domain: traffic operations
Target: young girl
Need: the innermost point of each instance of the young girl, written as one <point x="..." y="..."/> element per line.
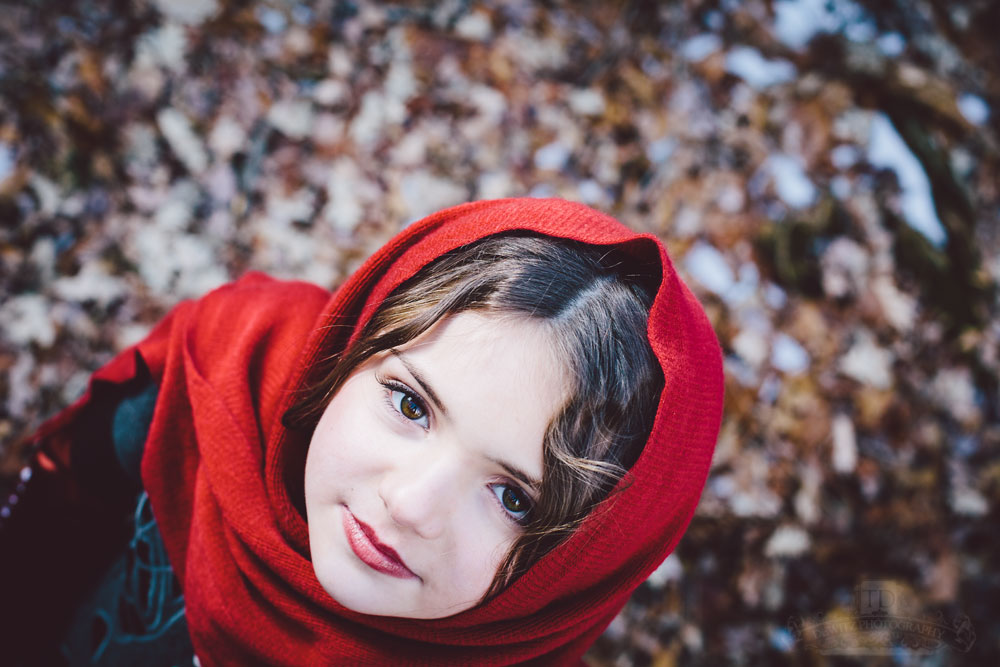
<point x="471" y="453"/>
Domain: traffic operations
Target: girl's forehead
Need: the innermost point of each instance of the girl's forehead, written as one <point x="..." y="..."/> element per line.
<point x="498" y="379"/>
<point x="471" y="336"/>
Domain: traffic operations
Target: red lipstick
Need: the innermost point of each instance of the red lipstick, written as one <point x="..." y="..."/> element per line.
<point x="374" y="554"/>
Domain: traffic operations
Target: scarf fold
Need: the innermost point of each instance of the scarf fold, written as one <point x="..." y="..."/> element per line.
<point x="218" y="462"/>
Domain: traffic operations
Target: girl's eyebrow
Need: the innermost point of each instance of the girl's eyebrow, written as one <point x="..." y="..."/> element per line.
<point x="421" y="381"/>
<point x="518" y="474"/>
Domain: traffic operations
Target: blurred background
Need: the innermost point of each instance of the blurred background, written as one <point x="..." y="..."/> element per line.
<point x="823" y="172"/>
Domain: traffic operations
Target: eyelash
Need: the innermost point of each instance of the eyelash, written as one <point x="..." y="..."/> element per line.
<point x="393" y="386"/>
<point x="512" y="517"/>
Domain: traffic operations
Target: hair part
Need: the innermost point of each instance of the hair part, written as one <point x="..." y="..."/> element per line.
<point x="595" y="307"/>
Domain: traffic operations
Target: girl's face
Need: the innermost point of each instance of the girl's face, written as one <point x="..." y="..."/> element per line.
<point x="424" y="463"/>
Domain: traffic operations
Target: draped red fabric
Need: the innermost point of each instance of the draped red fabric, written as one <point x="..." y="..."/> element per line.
<point x="218" y="459"/>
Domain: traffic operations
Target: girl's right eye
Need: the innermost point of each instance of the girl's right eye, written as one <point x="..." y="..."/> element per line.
<point x="408" y="405"/>
<point x="515" y="502"/>
<point x="403" y="401"/>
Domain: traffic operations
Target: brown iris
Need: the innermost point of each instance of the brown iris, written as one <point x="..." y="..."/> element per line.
<point x="411" y="408"/>
<point x="512" y="501"/>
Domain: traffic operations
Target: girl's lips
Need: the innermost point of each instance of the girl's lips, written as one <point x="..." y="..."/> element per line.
<point x="374" y="554"/>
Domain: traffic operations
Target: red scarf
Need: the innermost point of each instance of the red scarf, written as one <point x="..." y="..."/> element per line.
<point x="217" y="460"/>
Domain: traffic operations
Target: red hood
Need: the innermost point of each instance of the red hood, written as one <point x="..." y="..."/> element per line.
<point x="218" y="460"/>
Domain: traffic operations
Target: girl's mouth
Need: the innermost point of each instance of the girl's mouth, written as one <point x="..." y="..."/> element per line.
<point x="374" y="554"/>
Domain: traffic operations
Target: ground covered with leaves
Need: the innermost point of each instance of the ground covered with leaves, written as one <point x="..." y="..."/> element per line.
<point x="824" y="174"/>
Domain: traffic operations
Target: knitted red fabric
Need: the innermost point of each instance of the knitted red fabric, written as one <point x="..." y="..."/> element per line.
<point x="218" y="457"/>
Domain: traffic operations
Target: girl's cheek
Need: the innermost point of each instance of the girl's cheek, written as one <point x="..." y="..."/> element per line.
<point x="493" y="537"/>
<point x="483" y="560"/>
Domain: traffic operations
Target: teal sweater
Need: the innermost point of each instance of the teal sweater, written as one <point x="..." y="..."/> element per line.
<point x="135" y="614"/>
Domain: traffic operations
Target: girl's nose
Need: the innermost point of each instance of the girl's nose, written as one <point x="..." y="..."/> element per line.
<point x="422" y="494"/>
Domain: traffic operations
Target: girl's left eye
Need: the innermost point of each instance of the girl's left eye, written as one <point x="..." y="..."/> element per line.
<point x="409" y="406"/>
<point x="513" y="500"/>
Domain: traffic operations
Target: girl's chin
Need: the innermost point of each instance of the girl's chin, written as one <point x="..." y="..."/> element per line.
<point x="365" y="593"/>
<point x="387" y="603"/>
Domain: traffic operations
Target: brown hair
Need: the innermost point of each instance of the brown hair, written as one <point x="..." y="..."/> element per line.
<point x="595" y="302"/>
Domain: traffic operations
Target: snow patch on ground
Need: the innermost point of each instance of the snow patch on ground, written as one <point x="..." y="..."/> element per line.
<point x="898" y="307"/>
<point x="129" y="334"/>
<point x="6" y="161"/>
<point x="290" y="252"/>
<point x="587" y="102"/>
<point x="552" y="156"/>
<point x="592" y="193"/>
<point x="845" y="445"/>
<point x="747" y="63"/>
<point x="330" y="92"/>
<point x="796" y="22"/>
<point x="954" y="391"/>
<point x="187" y="145"/>
<point x="844" y="156"/>
<point x="474" y="26"/>
<point x="424" y="193"/>
<point x="343" y="209"/>
<point x="488" y="101"/>
<point x="788" y="355"/>
<point x="271" y="19"/>
<point x="381" y="108"/>
<point x="887" y="150"/>
<point x="700" y="47"/>
<point x="174" y="263"/>
<point x="660" y="150"/>
<point x="22" y="392"/>
<point x="964" y="498"/>
<point x="366" y="126"/>
<point x="787" y="541"/>
<point x="791" y="183"/>
<point x="845" y="267"/>
<point x="293" y="118"/>
<point x="91" y="283"/>
<point x="891" y="44"/>
<point x="49" y="194"/>
<point x="166" y="46"/>
<point x="974" y="108"/>
<point x="188" y="12"/>
<point x="296" y="207"/>
<point x="27" y="319"/>
<point x="494" y="185"/>
<point x="749" y="494"/>
<point x="670" y="570"/>
<point x="709" y="268"/>
<point x="751" y="345"/>
<point x="868" y="363"/>
<point x="774" y="296"/>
